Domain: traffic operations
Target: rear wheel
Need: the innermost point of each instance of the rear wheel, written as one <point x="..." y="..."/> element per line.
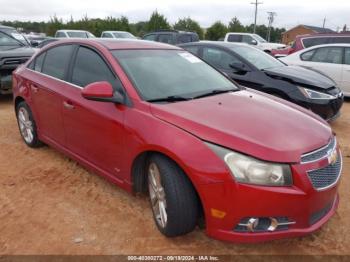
<point x="27" y="125"/>
<point x="173" y="199"/>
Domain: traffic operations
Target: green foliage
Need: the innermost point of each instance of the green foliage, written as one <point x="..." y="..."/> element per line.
<point x="157" y="21"/>
<point x="235" y="26"/>
<point x="216" y="31"/>
<point x="187" y="24"/>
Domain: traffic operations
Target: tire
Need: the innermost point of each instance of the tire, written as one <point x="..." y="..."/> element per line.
<point x="27" y="126"/>
<point x="180" y="201"/>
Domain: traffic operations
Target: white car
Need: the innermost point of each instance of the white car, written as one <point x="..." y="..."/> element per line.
<point x="252" y="39"/>
<point x="332" y="60"/>
<point x="73" y="34"/>
<point x="117" y="34"/>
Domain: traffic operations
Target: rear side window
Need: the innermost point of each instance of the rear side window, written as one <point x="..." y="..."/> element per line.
<point x="340" y="40"/>
<point x="38" y="64"/>
<point x="151" y="37"/>
<point x="90" y="67"/>
<point x="184" y="38"/>
<point x="347" y="56"/>
<point x="331" y="55"/>
<point x="234" y="38"/>
<point x="57" y="60"/>
<point x="166" y="38"/>
<point x="307" y="42"/>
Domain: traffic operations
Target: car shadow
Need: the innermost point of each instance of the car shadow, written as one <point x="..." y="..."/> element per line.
<point x="5" y="98"/>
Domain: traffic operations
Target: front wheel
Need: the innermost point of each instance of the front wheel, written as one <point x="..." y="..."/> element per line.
<point x="173" y="199"/>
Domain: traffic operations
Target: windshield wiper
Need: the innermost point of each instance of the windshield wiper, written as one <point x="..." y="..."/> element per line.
<point x="214" y="92"/>
<point x="169" y="99"/>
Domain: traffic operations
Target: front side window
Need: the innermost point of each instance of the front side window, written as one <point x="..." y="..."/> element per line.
<point x="307" y="55"/>
<point x="257" y="58"/>
<point x="184" y="38"/>
<point x="107" y="35"/>
<point x="164" y="73"/>
<point x="192" y="49"/>
<point x="57" y="61"/>
<point x="259" y="38"/>
<point x="347" y="56"/>
<point x="90" y="67"/>
<point x="60" y="35"/>
<point x="331" y="55"/>
<point x="219" y="58"/>
<point x="247" y="39"/>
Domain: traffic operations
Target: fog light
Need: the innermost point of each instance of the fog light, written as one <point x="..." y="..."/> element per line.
<point x="263" y="224"/>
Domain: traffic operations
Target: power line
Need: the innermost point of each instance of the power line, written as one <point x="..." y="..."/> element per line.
<point x="256" y="12"/>
<point x="271" y="18"/>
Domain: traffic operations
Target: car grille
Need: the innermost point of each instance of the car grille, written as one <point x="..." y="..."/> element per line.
<point x="327" y="176"/>
<point x="319" y="153"/>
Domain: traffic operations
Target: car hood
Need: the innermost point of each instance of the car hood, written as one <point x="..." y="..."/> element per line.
<point x="12" y="51"/>
<point x="301" y="76"/>
<point x="249" y="122"/>
<point x="272" y="45"/>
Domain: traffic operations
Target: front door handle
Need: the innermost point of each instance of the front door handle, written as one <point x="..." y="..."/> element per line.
<point x="68" y="105"/>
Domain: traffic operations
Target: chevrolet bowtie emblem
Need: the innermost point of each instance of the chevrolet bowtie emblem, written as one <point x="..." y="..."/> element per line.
<point x="332" y="156"/>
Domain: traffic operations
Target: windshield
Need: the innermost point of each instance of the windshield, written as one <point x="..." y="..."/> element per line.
<point x="258" y="58"/>
<point x="259" y="38"/>
<point x="10" y="37"/>
<point x="164" y="73"/>
<point x="123" y="35"/>
<point x="77" y="34"/>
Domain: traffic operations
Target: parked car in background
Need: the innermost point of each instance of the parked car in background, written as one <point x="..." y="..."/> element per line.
<point x="305" y="41"/>
<point x="35" y="40"/>
<point x="252" y="39"/>
<point x="254" y="68"/>
<point x="332" y="60"/>
<point x="172" y="37"/>
<point x="47" y="41"/>
<point x="154" y="118"/>
<point x="73" y="34"/>
<point x="14" y="50"/>
<point x="117" y="34"/>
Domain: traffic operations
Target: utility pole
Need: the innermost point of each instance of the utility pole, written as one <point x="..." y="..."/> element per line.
<point x="256" y="3"/>
<point x="324" y="22"/>
<point x="271" y="18"/>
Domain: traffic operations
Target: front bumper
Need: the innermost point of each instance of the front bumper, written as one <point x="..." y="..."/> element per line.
<point x="301" y="203"/>
<point x="5" y="82"/>
<point x="327" y="109"/>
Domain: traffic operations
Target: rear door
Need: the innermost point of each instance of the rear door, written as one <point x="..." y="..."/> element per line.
<point x="328" y="60"/>
<point x="94" y="130"/>
<point x="47" y="85"/>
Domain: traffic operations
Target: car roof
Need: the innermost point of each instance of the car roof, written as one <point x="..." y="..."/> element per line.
<point x="239" y="33"/>
<point x="216" y="43"/>
<point x="115" y="44"/>
<point x="6" y="27"/>
<point x="323" y="35"/>
<point x="68" y="30"/>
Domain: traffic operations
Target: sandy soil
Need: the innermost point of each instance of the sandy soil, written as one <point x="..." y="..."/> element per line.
<point x="51" y="205"/>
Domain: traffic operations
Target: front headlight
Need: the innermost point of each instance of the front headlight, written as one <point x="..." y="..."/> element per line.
<point x="249" y="170"/>
<point x="312" y="94"/>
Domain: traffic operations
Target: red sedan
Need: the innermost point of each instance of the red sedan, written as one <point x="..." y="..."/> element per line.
<point x="153" y="118"/>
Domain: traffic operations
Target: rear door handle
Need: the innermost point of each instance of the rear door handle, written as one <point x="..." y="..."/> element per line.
<point x="68" y="105"/>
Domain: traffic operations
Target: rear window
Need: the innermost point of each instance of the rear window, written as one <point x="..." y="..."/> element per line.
<point x="166" y="38"/>
<point x="186" y="38"/>
<point x="340" y="40"/>
<point x="57" y="60"/>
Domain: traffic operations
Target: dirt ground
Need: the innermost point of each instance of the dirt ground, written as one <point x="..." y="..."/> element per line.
<point x="51" y="205"/>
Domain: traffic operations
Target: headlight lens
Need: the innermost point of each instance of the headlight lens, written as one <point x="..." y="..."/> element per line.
<point x="312" y="94"/>
<point x="249" y="170"/>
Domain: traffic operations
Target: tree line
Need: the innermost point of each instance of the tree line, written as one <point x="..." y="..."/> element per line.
<point x="157" y="21"/>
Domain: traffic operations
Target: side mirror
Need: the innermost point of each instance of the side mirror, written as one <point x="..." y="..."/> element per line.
<point x="239" y="66"/>
<point x="34" y="43"/>
<point x="254" y="42"/>
<point x="102" y="92"/>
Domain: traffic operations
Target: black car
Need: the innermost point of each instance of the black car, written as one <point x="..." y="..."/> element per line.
<point x="14" y="50"/>
<point x="255" y="69"/>
<point x="172" y="37"/>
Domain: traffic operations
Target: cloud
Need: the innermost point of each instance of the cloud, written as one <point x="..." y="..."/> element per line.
<point x="289" y="12"/>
